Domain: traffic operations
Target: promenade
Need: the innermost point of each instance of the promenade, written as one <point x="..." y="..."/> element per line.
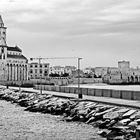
<point x="105" y="100"/>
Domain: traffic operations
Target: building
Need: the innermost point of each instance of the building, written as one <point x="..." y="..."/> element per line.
<point x="13" y="64"/>
<point x="57" y="70"/>
<point x="69" y="69"/>
<point x="123" y="74"/>
<point x="100" y="71"/>
<point x="37" y="71"/>
<point x="123" y="65"/>
<point x="88" y="70"/>
<point x="60" y="70"/>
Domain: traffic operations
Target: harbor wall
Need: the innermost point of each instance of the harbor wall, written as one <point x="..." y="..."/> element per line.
<point x="120" y="94"/>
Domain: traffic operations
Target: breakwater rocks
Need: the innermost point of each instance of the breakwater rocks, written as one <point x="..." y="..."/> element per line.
<point x="115" y="123"/>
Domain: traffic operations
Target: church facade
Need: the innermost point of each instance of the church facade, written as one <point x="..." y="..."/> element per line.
<point x="13" y="64"/>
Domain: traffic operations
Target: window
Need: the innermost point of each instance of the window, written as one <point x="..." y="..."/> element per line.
<point x="35" y="70"/>
<point x="2" y="50"/>
<point x="40" y="71"/>
<point x="31" y="71"/>
<point x="40" y="65"/>
<point x="46" y="66"/>
<point x="31" y="66"/>
<point x="45" y="73"/>
<point x="35" y="66"/>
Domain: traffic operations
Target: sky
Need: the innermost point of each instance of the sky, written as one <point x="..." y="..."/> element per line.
<point x="102" y="32"/>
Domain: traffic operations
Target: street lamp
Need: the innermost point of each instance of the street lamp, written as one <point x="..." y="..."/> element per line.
<point x="79" y="93"/>
<point x="40" y="58"/>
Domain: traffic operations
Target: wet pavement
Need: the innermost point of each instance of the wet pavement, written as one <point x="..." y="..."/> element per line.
<point x="17" y="124"/>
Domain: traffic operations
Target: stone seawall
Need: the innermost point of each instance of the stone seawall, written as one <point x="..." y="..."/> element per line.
<point x="121" y="94"/>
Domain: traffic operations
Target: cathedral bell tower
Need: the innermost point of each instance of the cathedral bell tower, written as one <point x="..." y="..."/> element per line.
<point x="3" y="45"/>
<point x="3" y="50"/>
<point x="2" y="33"/>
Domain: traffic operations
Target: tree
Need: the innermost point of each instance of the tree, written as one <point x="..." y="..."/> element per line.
<point x="65" y="75"/>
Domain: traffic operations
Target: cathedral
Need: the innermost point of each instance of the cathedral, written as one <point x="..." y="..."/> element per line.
<point x="13" y="65"/>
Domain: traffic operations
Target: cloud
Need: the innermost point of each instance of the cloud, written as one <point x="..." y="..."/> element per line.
<point x="73" y="17"/>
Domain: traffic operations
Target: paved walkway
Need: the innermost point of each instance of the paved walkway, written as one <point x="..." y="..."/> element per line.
<point x="106" y="100"/>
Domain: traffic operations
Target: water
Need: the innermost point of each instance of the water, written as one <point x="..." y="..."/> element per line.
<point x="105" y="86"/>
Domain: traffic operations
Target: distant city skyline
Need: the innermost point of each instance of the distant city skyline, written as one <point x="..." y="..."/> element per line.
<point x="102" y="32"/>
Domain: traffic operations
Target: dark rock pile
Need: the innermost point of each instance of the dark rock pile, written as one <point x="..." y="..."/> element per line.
<point x="115" y="123"/>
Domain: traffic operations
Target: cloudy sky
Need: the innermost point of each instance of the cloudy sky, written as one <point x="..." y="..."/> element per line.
<point x="102" y="32"/>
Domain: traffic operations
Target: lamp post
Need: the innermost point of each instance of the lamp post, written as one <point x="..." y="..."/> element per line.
<point x="40" y="58"/>
<point x="40" y="76"/>
<point x="79" y="94"/>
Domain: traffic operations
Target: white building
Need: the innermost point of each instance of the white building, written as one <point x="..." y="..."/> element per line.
<point x="100" y="71"/>
<point x="13" y="65"/>
<point x="88" y="70"/>
<point x="69" y="69"/>
<point x="62" y="70"/>
<point x="123" y="65"/>
<point x="57" y="70"/>
<point x="37" y="71"/>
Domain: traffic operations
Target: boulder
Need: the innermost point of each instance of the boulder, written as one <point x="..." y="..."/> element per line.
<point x="104" y="132"/>
<point x="133" y="125"/>
<point x="111" y="115"/>
<point x="129" y="113"/>
<point x="135" y="116"/>
<point x="124" y="122"/>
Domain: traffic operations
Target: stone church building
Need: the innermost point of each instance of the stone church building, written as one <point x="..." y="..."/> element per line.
<point x="13" y="65"/>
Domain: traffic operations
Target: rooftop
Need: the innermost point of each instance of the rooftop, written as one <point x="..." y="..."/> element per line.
<point x="16" y="56"/>
<point x="1" y="22"/>
<point x="16" y="48"/>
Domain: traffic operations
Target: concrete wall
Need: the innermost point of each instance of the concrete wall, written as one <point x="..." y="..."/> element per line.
<point x="116" y="94"/>
<point x="91" y="91"/>
<point x="124" y="94"/>
<point x="87" y="80"/>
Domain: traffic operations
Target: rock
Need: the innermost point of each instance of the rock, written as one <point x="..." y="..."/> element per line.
<point x="129" y="113"/>
<point x="103" y="133"/>
<point x="90" y="114"/>
<point x="119" y="128"/>
<point x="123" y="122"/>
<point x="100" y="114"/>
<point x="123" y="110"/>
<point x="111" y="115"/>
<point x="138" y="121"/>
<point x="111" y="135"/>
<point x="97" y="123"/>
<point x="104" y="123"/>
<point x="82" y="112"/>
<point x="100" y="108"/>
<point x="133" y="125"/>
<point x="119" y="138"/>
<point x="136" y="115"/>
<point x="112" y="122"/>
<point x="91" y="105"/>
<point x="91" y="120"/>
